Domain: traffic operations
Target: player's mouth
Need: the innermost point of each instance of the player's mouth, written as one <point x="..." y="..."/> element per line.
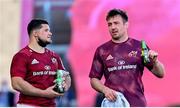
<point x="49" y="37"/>
<point x="114" y="32"/>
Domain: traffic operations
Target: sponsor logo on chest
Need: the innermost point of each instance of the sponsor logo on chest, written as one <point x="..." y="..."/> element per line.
<point x="34" y="61"/>
<point x="47" y="67"/>
<point x="109" y="57"/>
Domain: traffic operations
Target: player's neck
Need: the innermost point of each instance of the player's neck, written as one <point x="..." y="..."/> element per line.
<point x="121" y="40"/>
<point x="37" y="48"/>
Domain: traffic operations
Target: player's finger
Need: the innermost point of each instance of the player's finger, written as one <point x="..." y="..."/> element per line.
<point x="58" y="94"/>
<point x="112" y="96"/>
<point x="54" y="81"/>
<point x="153" y="54"/>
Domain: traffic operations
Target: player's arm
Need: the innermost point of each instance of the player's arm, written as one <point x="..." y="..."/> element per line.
<point x="98" y="86"/>
<point x="158" y="67"/>
<point x="67" y="77"/>
<point x="95" y="75"/>
<point x="26" y="88"/>
<point x="67" y="84"/>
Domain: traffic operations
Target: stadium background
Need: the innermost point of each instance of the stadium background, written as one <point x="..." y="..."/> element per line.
<point x="79" y="26"/>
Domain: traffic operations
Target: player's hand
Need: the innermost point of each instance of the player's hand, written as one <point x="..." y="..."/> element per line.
<point x="66" y="82"/>
<point x="153" y="56"/>
<point x="110" y="94"/>
<point x="50" y="93"/>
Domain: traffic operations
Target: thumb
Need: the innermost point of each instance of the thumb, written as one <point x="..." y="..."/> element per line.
<point x="52" y="86"/>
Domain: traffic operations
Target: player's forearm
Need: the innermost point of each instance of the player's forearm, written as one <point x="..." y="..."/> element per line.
<point x="158" y="69"/>
<point x="97" y="85"/>
<point x="24" y="87"/>
<point x="68" y="82"/>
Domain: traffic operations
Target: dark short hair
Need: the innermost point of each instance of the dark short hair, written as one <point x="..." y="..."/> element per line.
<point x="115" y="12"/>
<point x="35" y="24"/>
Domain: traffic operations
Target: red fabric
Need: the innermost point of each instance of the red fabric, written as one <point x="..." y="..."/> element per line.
<point x="38" y="69"/>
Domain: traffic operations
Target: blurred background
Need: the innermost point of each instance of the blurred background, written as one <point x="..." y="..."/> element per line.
<point x="78" y="27"/>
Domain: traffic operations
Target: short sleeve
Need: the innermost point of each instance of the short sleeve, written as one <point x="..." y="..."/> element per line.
<point x="97" y="66"/>
<point x="19" y="65"/>
<point x="60" y="63"/>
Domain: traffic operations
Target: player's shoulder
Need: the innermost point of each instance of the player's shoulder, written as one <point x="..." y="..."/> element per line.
<point x="134" y="41"/>
<point x="105" y="45"/>
<point x="52" y="53"/>
<point x="24" y="52"/>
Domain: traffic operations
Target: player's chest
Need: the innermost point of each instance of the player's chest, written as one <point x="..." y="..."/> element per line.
<point x="42" y="63"/>
<point x="127" y="57"/>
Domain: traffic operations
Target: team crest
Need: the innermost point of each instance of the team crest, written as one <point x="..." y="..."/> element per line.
<point x="54" y="60"/>
<point x="132" y="54"/>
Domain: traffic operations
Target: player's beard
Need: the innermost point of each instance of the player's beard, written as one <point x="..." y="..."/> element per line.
<point x="42" y="42"/>
<point x="115" y="38"/>
<point x="118" y="37"/>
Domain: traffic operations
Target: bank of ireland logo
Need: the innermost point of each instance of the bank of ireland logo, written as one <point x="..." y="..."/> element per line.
<point x="121" y="62"/>
<point x="47" y="67"/>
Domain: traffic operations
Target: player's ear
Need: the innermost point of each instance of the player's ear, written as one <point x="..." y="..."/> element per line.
<point x="35" y="33"/>
<point x="126" y="25"/>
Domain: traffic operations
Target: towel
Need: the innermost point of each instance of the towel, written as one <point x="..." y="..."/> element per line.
<point x="121" y="101"/>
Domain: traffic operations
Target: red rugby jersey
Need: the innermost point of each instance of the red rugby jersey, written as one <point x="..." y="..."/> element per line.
<point x="122" y="65"/>
<point x="39" y="69"/>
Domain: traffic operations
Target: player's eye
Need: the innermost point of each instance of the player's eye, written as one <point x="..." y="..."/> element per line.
<point x="109" y="24"/>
